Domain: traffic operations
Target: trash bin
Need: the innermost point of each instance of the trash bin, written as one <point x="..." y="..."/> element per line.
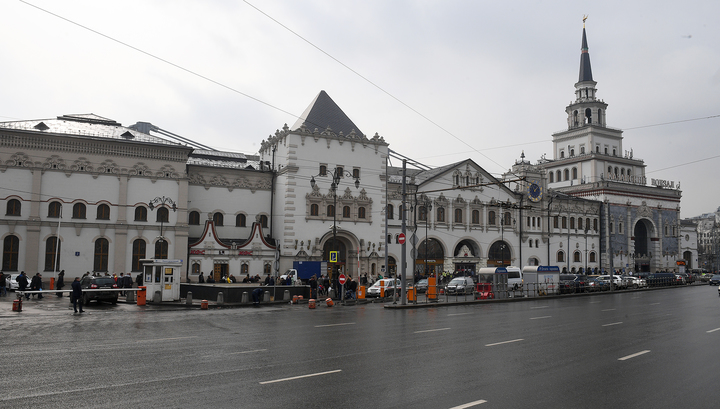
<point x="361" y="292"/>
<point x="17" y="305"/>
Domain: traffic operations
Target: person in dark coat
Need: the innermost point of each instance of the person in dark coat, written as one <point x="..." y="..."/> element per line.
<point x="128" y="281"/>
<point x="3" y="284"/>
<point x="22" y="283"/>
<point x="201" y="278"/>
<point x="256" y="295"/>
<point x="210" y="279"/>
<point x="120" y="282"/>
<point x="36" y="284"/>
<point x="139" y="280"/>
<point x="60" y="282"/>
<point x="76" y="294"/>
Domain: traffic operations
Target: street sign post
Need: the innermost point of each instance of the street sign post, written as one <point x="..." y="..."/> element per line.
<point x="401" y="238"/>
<point x="342" y="279"/>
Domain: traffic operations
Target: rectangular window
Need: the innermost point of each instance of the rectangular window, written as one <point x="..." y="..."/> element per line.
<point x="356" y="173"/>
<point x="323" y="170"/>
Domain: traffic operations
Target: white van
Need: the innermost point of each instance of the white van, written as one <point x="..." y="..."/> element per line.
<point x="514" y="275"/>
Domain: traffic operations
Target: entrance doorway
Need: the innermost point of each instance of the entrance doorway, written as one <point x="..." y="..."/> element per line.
<point x="219" y="270"/>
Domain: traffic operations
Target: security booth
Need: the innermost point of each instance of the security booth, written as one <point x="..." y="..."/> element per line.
<point x="495" y="279"/>
<point x="162" y="279"/>
<point x="541" y="280"/>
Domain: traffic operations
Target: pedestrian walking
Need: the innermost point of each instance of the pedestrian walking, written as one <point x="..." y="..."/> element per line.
<point x="139" y="280"/>
<point x="201" y="278"/>
<point x="3" y="284"/>
<point x="36" y="284"/>
<point x="76" y="294"/>
<point x="128" y="281"/>
<point x="22" y="283"/>
<point x="60" y="282"/>
<point x="120" y="282"/>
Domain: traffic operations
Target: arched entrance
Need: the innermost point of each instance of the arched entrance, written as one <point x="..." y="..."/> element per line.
<point x="499" y="255"/>
<point x="466" y="257"/>
<point x="642" y="234"/>
<point x="338" y="267"/>
<point x="687" y="256"/>
<point x="430" y="259"/>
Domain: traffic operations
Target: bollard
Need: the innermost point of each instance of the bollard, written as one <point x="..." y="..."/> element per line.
<point x="266" y="296"/>
<point x="286" y="295"/>
<point x="188" y="298"/>
<point x="130" y="296"/>
<point x="17" y="305"/>
<point x="329" y="302"/>
<point x="295" y="299"/>
<point x="311" y="304"/>
<point x="245" y="298"/>
<point x="204" y="304"/>
<point x="52" y="282"/>
<point x="300" y="297"/>
<point x="220" y="298"/>
<point x="141" y="294"/>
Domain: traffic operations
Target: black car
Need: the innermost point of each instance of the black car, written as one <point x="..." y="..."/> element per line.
<point x="714" y="280"/>
<point x="566" y="284"/>
<point x="93" y="283"/>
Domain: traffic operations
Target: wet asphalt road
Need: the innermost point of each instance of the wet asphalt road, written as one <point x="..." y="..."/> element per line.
<point x="647" y="349"/>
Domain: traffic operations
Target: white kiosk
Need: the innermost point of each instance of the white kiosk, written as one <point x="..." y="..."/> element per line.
<point x="162" y="279"/>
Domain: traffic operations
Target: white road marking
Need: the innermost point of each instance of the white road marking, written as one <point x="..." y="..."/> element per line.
<point x="539" y="318"/>
<point x="300" y="377"/>
<point x="504" y="342"/>
<point x="461" y="313"/>
<point x="544" y="306"/>
<point x="614" y="323"/>
<point x="655" y="303"/>
<point x="431" y="330"/>
<point x="246" y="352"/>
<point x="594" y="302"/>
<point x="634" y="355"/>
<point x="335" y="325"/>
<point x="469" y="405"/>
<point x="609" y="309"/>
<point x="164" y="339"/>
<point x="713" y="330"/>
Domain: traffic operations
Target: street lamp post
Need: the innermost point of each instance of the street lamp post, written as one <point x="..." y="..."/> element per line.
<point x="586" y="250"/>
<point x="426" y="211"/>
<point x="336" y="176"/>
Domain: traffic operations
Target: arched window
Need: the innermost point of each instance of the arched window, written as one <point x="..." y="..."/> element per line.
<point x="588" y="115"/>
<point x="241" y="220"/>
<point x="138" y="253"/>
<point x="389" y="238"/>
<point x="263" y="221"/>
<point x="361" y="212"/>
<point x="11" y="246"/>
<point x="580" y="223"/>
<point x="194" y="218"/>
<point x="556" y="219"/>
<point x="13" y="208"/>
<point x="78" y="211"/>
<point x="616" y="169"/>
<point x="100" y="259"/>
<point x="141" y="214"/>
<point x="323" y="170"/>
<point x="422" y="213"/>
<point x="507" y="220"/>
<point x="622" y="171"/>
<point x="458" y="216"/>
<point x="576" y="257"/>
<point x="51" y="254"/>
<point x="54" y="209"/>
<point x="330" y="210"/>
<point x="390" y="211"/>
<point x="441" y="215"/>
<point x="552" y="179"/>
<point x="572" y="222"/>
<point x="591" y="257"/>
<point x="560" y="257"/>
<point x="218" y="219"/>
<point x="574" y="173"/>
<point x="162" y="215"/>
<point x="587" y="223"/>
<point x="576" y="122"/>
<point x="346" y="212"/>
<point x="610" y="170"/>
<point x="245" y="269"/>
<point x="476" y="217"/>
<point x="314" y="209"/>
<point x="558" y="176"/>
<point x="103" y="212"/>
<point x="567" y="174"/>
<point x="564" y="222"/>
<point x="491" y="218"/>
<point x="161" y="249"/>
<point x="595" y="224"/>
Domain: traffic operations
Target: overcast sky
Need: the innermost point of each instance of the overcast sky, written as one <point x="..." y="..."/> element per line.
<point x="489" y="79"/>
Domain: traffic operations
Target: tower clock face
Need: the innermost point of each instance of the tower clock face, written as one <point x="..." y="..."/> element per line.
<point x="535" y="191"/>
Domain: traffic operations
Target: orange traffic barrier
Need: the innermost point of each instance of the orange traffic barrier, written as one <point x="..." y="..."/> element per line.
<point x="311" y="304"/>
<point x="300" y="297"/>
<point x="52" y="283"/>
<point x="142" y="291"/>
<point x="382" y="291"/>
<point x="295" y="299"/>
<point x="432" y="289"/>
<point x="329" y="302"/>
<point x="204" y="304"/>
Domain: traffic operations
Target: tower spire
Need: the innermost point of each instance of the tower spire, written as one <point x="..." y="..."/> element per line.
<point x="585" y="68"/>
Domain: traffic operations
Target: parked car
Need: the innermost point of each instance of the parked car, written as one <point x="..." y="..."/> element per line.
<point x="422" y="285"/>
<point x="618" y="282"/>
<point x="661" y="279"/>
<point x="90" y="282"/>
<point x="635" y="282"/>
<point x="389" y="284"/>
<point x="596" y="284"/>
<point x="460" y="285"/>
<point x="567" y="284"/>
<point x="714" y="280"/>
<point x="681" y="278"/>
<point x="12" y="283"/>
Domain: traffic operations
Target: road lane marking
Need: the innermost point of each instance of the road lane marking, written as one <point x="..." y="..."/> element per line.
<point x="539" y="318"/>
<point x="634" y="355"/>
<point x="504" y="342"/>
<point x="655" y="303"/>
<point x="164" y="339"/>
<point x="469" y="405"/>
<point x="246" y="352"/>
<point x="713" y="330"/>
<point x="609" y="309"/>
<point x="431" y="330"/>
<point x="300" y="377"/>
<point x="544" y="306"/>
<point x="594" y="302"/>
<point x="614" y="323"/>
<point x="335" y="325"/>
<point x="460" y="313"/>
